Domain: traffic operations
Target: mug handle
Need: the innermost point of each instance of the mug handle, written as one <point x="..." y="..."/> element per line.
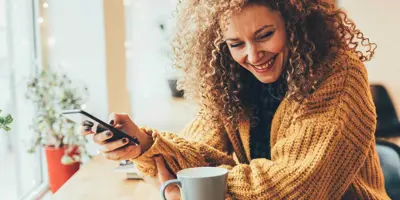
<point x="165" y="185"/>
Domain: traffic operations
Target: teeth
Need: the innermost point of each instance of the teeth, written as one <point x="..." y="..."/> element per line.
<point x="266" y="65"/>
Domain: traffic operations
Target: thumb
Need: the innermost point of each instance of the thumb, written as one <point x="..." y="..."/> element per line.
<point x="119" y="118"/>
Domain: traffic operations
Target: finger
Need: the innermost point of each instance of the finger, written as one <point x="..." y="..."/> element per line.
<point x="111" y="146"/>
<point x="85" y="130"/>
<point x="162" y="170"/>
<point x="87" y="123"/>
<point x="111" y="119"/>
<point x="118" y="126"/>
<point x="119" y="118"/>
<point x="86" y="127"/>
<point x="99" y="138"/>
<point x="131" y="153"/>
<point x="121" y="154"/>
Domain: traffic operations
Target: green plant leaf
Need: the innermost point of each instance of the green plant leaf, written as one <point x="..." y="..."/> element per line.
<point x="32" y="150"/>
<point x="8" y="119"/>
<point x="6" y="128"/>
<point x="5" y="122"/>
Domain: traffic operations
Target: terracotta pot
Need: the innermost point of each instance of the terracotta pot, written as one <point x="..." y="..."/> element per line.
<point x="58" y="172"/>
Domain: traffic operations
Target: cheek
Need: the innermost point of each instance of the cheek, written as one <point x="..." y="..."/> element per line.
<point x="238" y="57"/>
<point x="278" y="43"/>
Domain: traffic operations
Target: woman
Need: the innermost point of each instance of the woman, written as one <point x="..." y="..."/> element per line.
<point x="285" y="101"/>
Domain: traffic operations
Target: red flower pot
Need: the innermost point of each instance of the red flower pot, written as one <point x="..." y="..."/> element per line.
<point x="58" y="172"/>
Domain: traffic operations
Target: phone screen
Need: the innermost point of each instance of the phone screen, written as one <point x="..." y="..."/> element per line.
<point x="83" y="118"/>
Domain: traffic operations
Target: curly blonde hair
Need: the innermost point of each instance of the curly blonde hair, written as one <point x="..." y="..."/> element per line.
<point x="316" y="32"/>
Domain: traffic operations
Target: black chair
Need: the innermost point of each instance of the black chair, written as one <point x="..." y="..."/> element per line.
<point x="388" y="124"/>
<point x="389" y="156"/>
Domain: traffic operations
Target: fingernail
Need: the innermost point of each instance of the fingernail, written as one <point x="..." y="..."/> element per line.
<point x="108" y="133"/>
<point x="124" y="140"/>
<point x="87" y="128"/>
<point x="111" y="122"/>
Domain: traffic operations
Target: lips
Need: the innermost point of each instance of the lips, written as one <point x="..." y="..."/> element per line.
<point x="266" y="65"/>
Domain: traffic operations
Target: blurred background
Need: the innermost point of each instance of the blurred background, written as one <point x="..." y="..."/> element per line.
<point x="115" y="56"/>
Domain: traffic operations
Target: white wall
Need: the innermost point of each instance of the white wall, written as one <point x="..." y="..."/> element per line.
<point x="76" y="28"/>
<point x="151" y="101"/>
<point x="380" y="21"/>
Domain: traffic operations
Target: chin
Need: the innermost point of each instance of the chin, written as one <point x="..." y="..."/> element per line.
<point x="268" y="79"/>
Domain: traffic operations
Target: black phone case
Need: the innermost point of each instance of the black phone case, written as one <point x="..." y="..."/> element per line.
<point x="103" y="126"/>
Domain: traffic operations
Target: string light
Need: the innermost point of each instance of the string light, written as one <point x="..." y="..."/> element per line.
<point x="127" y="44"/>
<point x="40" y="20"/>
<point x="51" y="41"/>
<point x="44" y="5"/>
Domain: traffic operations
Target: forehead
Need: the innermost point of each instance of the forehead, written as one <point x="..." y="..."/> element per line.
<point x="249" y="19"/>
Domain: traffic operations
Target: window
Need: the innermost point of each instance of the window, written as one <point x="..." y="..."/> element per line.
<point x="21" y="173"/>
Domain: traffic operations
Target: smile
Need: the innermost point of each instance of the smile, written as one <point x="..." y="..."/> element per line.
<point x="266" y="65"/>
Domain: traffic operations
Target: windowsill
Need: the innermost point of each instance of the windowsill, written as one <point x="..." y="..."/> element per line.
<point x="38" y="193"/>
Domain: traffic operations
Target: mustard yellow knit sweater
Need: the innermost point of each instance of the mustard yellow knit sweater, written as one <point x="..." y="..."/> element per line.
<point x="322" y="148"/>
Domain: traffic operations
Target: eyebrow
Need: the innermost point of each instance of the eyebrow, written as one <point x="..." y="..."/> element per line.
<point x="255" y="33"/>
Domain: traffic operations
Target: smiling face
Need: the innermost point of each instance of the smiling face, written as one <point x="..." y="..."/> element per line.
<point x="256" y="38"/>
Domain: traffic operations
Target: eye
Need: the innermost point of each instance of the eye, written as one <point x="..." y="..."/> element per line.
<point x="267" y="35"/>
<point x="236" y="44"/>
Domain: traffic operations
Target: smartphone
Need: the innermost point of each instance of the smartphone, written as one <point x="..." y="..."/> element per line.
<point x="84" y="118"/>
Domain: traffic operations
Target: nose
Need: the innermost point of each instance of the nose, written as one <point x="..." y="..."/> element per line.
<point x="254" y="55"/>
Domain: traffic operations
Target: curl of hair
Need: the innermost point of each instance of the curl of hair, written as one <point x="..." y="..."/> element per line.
<point x="316" y="33"/>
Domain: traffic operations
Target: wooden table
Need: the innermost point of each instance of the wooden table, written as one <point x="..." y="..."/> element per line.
<point x="97" y="180"/>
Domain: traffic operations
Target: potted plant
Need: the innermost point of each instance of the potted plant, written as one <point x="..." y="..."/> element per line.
<point x="5" y="122"/>
<point x="51" y="92"/>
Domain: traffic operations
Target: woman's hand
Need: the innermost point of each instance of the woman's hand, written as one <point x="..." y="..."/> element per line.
<point x="172" y="192"/>
<point x="120" y="149"/>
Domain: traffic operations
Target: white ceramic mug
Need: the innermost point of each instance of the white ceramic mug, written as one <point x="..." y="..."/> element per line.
<point x="200" y="183"/>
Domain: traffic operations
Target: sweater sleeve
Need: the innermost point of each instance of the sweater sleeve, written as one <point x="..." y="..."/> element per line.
<point x="320" y="153"/>
<point x="316" y="157"/>
<point x="194" y="146"/>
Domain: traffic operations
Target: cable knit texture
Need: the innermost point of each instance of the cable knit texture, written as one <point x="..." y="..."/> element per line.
<point x="321" y="148"/>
